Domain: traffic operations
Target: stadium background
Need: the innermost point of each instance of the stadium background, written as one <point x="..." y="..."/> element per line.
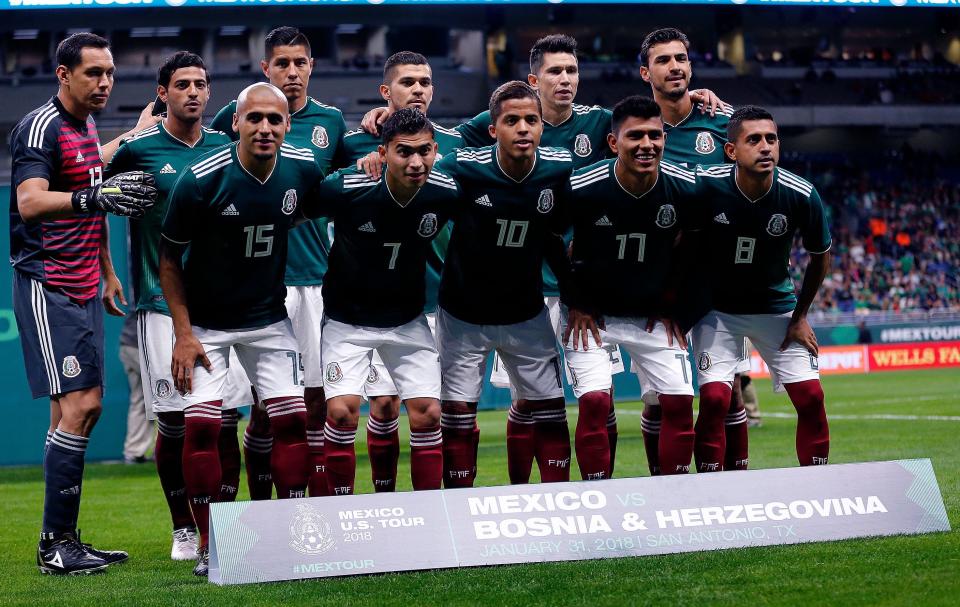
<point x="867" y="95"/>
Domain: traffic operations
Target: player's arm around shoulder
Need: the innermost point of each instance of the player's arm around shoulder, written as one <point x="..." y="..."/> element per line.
<point x="223" y="121"/>
<point x="476" y="131"/>
<point x="327" y="194"/>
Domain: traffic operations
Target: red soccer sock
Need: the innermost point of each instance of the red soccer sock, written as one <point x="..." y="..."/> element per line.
<point x="710" y="444"/>
<point x="813" y="431"/>
<point x="201" y="462"/>
<point x="383" y="448"/>
<point x="341" y="457"/>
<point x="256" y="453"/>
<point x="612" y="434"/>
<point x="593" y="447"/>
<point x="458" y="428"/>
<point x="317" y="484"/>
<point x="426" y="457"/>
<point x="228" y="444"/>
<point x="290" y="460"/>
<point x="650" y="427"/>
<point x="520" y="445"/>
<point x="736" y="456"/>
<point x="169" y="456"/>
<point x="552" y="444"/>
<point x="676" y="433"/>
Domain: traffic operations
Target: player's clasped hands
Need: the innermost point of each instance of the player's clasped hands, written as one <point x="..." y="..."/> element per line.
<point x="187" y="353"/>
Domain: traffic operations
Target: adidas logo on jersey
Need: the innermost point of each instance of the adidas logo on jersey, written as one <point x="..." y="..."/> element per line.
<point x="79" y="158"/>
<point x="367" y="227"/>
<point x="603" y="221"/>
<point x="484" y="201"/>
<point x="168" y="170"/>
<point x="230" y="210"/>
<point x="722" y="218"/>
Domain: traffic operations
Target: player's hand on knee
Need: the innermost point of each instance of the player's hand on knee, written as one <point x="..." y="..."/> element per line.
<point x="373" y="119"/>
<point x="708" y="99"/>
<point x="371" y="165"/>
<point x="581" y="325"/>
<point x="187" y="351"/>
<point x="800" y="331"/>
<point x="127" y="194"/>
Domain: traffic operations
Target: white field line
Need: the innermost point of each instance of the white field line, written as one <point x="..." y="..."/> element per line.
<point x="880" y="416"/>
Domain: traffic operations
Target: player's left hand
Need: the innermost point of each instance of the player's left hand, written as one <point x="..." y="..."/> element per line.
<point x="581" y="325"/>
<point x="801" y="332"/>
<point x="147" y="119"/>
<point x="371" y="165"/>
<point x="709" y="100"/>
<point x="674" y="332"/>
<point x="112" y="289"/>
<point x="188" y="353"/>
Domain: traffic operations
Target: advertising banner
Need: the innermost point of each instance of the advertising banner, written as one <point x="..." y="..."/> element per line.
<point x="903" y="357"/>
<point x="350" y="535"/>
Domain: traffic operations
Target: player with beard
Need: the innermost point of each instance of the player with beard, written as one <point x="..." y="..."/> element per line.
<point x="231" y="212"/>
<point x="288" y="64"/>
<point x="165" y="150"/>
<point x="751" y="213"/>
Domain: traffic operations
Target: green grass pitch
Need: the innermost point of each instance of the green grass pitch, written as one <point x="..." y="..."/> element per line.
<point x="123" y="507"/>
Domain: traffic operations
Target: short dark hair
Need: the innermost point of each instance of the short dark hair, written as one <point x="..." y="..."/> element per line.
<point x="401" y="58"/>
<point x="511" y="90"/>
<point x="554" y="43"/>
<point x="284" y="36"/>
<point x="70" y="48"/>
<point x="747" y="112"/>
<point x="406" y="121"/>
<point x="634" y="106"/>
<point x="661" y="36"/>
<point x="176" y="61"/>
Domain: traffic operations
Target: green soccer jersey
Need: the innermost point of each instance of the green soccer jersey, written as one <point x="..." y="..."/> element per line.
<point x="501" y="228"/>
<point x="584" y="134"/>
<point x="236" y="227"/>
<point x="749" y="241"/>
<point x="381" y="245"/>
<point x="358" y="143"/>
<point x="319" y="128"/>
<point x="698" y="138"/>
<point x="155" y="151"/>
<point x="623" y="244"/>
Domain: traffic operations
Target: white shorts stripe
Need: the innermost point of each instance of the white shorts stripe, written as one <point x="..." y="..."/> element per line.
<point x="43" y="333"/>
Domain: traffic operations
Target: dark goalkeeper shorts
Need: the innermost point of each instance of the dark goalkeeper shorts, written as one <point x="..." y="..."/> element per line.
<point x="62" y="339"/>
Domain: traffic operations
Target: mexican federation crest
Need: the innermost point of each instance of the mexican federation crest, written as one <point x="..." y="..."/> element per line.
<point x="319" y="137"/>
<point x="703" y="362"/>
<point x="545" y="202"/>
<point x="428" y="225"/>
<point x="581" y="146"/>
<point x="334" y="374"/>
<point x="666" y="216"/>
<point x="71" y="366"/>
<point x="373" y="376"/>
<point x="705" y="144"/>
<point x="310" y="532"/>
<point x="162" y="389"/>
<point x="289" y="202"/>
<point x="777" y="226"/>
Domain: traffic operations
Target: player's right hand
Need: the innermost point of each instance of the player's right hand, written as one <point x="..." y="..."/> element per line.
<point x="127" y="194"/>
<point x="580" y="326"/>
<point x="371" y="165"/>
<point x="373" y="119"/>
<point x="187" y="352"/>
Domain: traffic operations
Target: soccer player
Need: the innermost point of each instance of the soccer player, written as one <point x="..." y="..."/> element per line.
<point x="694" y="137"/>
<point x="507" y="222"/>
<point x="407" y="83"/>
<point x="384" y="230"/>
<point x="234" y="208"/>
<point x="288" y="64"/>
<point x="753" y="210"/>
<point x="59" y="250"/>
<point x="627" y="216"/>
<point x="165" y="150"/>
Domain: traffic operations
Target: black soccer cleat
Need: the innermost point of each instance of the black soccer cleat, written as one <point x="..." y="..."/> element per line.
<point x="203" y="562"/>
<point x="67" y="556"/>
<point x="110" y="557"/>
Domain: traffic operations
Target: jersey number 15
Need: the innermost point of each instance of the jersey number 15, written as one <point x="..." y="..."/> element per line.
<point x="259" y="240"/>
